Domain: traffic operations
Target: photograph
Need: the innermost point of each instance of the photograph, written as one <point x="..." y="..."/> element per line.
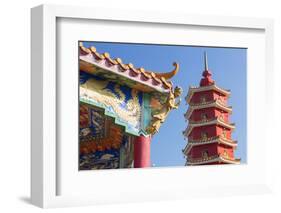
<point x="161" y="105"/>
<point x="149" y="105"/>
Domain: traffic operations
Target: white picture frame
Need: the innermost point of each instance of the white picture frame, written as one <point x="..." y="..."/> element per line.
<point x="45" y="174"/>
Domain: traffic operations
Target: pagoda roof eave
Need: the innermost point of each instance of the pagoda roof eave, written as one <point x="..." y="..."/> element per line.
<point x="201" y="161"/>
<point x="219" y="140"/>
<point x="214" y="160"/>
<point x="230" y="161"/>
<point x="214" y="87"/>
<point x="91" y="61"/>
<point x="211" y="122"/>
<point x="215" y="103"/>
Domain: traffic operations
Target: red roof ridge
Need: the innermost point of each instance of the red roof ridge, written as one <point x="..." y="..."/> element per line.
<point x="158" y="78"/>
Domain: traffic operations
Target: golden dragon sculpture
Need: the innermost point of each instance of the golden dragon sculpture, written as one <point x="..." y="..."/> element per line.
<point x="159" y="118"/>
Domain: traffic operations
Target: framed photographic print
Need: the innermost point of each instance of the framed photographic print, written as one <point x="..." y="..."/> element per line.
<point x="130" y="106"/>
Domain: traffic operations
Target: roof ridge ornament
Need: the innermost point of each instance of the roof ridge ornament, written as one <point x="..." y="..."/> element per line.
<point x="166" y="75"/>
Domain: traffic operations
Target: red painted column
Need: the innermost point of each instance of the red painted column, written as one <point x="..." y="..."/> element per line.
<point x="142" y="152"/>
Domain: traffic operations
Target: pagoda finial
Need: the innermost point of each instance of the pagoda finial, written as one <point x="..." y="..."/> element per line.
<point x="205" y="60"/>
<point x="207" y="79"/>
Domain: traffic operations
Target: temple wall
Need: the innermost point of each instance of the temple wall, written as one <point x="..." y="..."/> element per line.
<point x="220" y="129"/>
<point x="197" y="115"/>
<point x="209" y="95"/>
<point x="197" y="97"/>
<point x="219" y="96"/>
<point x="197" y="151"/>
<point x="223" y="148"/>
<point x="212" y="112"/>
<point x="219" y="113"/>
<point x="209" y="130"/>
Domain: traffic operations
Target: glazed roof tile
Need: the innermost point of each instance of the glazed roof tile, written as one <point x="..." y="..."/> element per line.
<point x="154" y="80"/>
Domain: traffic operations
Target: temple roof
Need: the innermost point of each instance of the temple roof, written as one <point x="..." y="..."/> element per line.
<point x="145" y="80"/>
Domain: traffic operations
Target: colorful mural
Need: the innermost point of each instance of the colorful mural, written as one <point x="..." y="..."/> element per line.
<point x="126" y="152"/>
<point x="110" y="158"/>
<point x="92" y="123"/>
<point x="120" y="102"/>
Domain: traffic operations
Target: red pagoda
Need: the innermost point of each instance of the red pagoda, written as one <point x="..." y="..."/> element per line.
<point x="208" y="132"/>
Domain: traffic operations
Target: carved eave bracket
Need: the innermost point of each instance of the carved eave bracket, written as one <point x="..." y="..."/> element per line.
<point x="172" y="102"/>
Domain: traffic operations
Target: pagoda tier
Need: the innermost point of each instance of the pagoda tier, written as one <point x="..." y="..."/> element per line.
<point x="213" y="124"/>
<point x="215" y="159"/>
<point x="217" y="139"/>
<point x="209" y="130"/>
<point x="212" y="87"/>
<point x="217" y="104"/>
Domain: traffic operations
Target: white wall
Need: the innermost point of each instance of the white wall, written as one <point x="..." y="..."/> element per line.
<point x="15" y="98"/>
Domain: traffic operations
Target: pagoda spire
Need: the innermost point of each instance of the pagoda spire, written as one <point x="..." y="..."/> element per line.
<point x="207" y="75"/>
<point x="206" y="61"/>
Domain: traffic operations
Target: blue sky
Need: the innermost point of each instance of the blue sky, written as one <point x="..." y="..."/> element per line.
<point x="228" y="66"/>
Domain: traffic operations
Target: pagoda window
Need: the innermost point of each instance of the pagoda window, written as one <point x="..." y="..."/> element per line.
<point x="204" y="136"/>
<point x="225" y="153"/>
<point x="204" y="116"/>
<point x="224" y="133"/>
<point x="221" y="99"/>
<point x="205" y="154"/>
<point x="203" y="99"/>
